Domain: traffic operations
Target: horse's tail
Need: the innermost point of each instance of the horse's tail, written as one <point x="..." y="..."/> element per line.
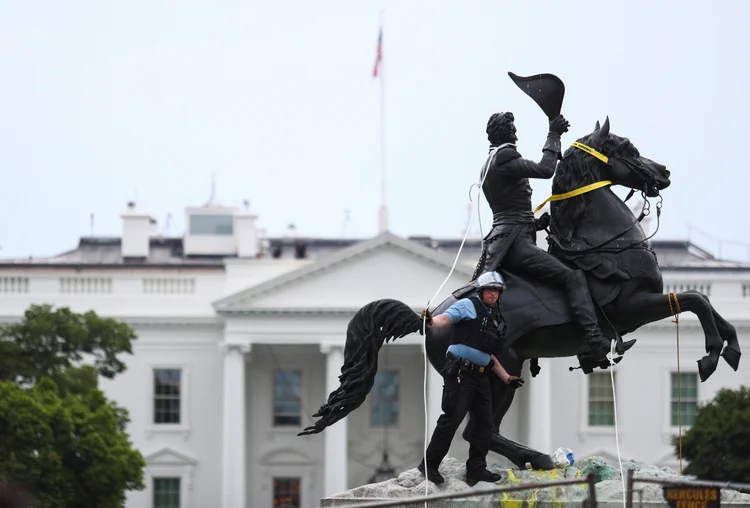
<point x="378" y="321"/>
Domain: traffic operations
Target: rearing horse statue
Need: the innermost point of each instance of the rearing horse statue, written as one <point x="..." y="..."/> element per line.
<point x="593" y="231"/>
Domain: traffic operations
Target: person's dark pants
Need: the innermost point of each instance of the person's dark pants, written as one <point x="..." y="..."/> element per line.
<point x="471" y="394"/>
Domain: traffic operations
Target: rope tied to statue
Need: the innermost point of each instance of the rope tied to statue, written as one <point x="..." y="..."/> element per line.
<point x="675" y="311"/>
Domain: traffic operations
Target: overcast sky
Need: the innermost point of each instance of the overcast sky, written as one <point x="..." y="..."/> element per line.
<point x="106" y="102"/>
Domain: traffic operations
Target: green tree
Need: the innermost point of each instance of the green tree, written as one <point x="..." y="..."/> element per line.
<point x="62" y="440"/>
<point x="48" y="341"/>
<point x="717" y="443"/>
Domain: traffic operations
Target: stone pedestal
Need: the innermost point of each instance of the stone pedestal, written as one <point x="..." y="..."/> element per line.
<point x="609" y="487"/>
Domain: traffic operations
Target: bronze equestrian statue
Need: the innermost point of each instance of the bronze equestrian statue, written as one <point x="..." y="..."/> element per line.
<point x="593" y="232"/>
<point x="511" y="244"/>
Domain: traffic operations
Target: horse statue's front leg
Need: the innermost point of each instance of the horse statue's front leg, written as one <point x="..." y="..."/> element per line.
<point x="646" y="307"/>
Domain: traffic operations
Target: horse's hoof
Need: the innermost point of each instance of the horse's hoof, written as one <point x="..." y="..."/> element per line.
<point x="542" y="462"/>
<point x="622" y="347"/>
<point x="732" y="357"/>
<point x="706" y="367"/>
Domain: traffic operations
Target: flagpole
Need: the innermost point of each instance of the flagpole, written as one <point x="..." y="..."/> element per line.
<point x="383" y="216"/>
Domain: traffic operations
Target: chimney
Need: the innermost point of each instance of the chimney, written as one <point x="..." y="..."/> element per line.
<point x="136" y="228"/>
<point x="246" y="232"/>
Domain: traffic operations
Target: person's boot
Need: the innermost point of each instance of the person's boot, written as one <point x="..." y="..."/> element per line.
<point x="484" y="475"/>
<point x="432" y="474"/>
<point x="582" y="306"/>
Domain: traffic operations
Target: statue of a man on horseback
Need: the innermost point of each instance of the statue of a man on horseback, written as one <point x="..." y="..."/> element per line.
<point x="511" y="244"/>
<point x="598" y="248"/>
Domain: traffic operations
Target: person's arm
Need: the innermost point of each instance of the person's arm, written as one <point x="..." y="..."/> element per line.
<point x="441" y="321"/>
<point x="462" y="309"/>
<point x="545" y="168"/>
<point x="498" y="369"/>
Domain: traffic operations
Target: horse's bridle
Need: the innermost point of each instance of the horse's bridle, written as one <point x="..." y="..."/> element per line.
<point x="645" y="210"/>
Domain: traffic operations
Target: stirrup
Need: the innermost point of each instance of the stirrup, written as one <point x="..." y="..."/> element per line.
<point x="587" y="363"/>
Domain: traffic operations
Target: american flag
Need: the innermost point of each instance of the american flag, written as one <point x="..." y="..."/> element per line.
<point x="379" y="56"/>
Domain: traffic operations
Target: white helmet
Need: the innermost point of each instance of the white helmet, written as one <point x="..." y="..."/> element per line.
<point x="490" y="280"/>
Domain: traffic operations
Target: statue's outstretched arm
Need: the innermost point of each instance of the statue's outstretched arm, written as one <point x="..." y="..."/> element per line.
<point x="526" y="168"/>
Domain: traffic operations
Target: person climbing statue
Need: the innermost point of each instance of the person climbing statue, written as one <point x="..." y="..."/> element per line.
<point x="478" y="330"/>
<point x="511" y="243"/>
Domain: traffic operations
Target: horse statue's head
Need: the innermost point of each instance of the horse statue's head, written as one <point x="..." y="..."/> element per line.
<point x="602" y="156"/>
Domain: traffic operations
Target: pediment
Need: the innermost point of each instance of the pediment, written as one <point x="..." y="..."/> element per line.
<point x="384" y="267"/>
<point x="169" y="457"/>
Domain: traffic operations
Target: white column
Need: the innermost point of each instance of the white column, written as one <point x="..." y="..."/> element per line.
<point x="434" y="398"/>
<point x="234" y="430"/>
<point x="336" y="436"/>
<point x="539" y="418"/>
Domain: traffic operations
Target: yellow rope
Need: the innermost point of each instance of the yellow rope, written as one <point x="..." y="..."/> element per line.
<point x="675" y="311"/>
<point x="574" y="193"/>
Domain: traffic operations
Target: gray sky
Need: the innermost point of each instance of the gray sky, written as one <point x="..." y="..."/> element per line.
<point x="105" y="101"/>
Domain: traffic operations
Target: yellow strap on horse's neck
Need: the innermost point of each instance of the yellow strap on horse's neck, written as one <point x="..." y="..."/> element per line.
<point x="591" y="152"/>
<point x="574" y="193"/>
<point x="585" y="188"/>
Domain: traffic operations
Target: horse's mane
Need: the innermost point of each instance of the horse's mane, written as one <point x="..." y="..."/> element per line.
<point x="576" y="170"/>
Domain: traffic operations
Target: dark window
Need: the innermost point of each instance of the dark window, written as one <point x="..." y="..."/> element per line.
<point x="601" y="400"/>
<point x="166" y="493"/>
<point x="384" y="402"/>
<point x="688" y="401"/>
<point x="286" y="493"/>
<point x="167" y="399"/>
<point x="287" y="400"/>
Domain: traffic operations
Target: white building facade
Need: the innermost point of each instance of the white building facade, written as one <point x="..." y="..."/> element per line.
<point x="241" y="339"/>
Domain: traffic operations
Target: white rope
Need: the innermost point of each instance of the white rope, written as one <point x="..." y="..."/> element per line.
<point x="424" y="319"/>
<point x="612" y="365"/>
